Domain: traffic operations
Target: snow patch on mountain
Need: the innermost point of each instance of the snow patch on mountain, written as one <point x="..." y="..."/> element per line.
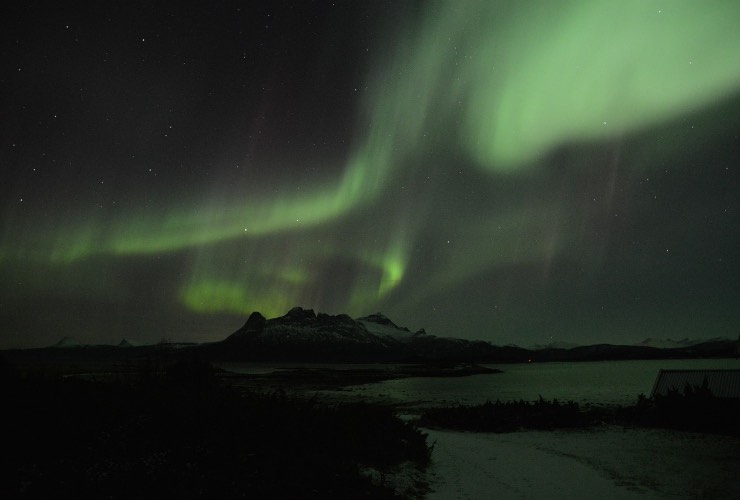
<point x="381" y="326"/>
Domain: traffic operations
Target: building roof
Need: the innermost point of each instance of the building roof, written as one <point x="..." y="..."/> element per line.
<point x="722" y="383"/>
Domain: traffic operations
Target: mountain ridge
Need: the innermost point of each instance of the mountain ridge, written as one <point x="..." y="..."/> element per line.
<point x="302" y="335"/>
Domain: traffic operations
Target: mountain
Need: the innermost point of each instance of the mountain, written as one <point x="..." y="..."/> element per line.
<point x="603" y="352"/>
<point x="381" y="326"/>
<point x="303" y="335"/>
<point x="67" y="342"/>
<point x="553" y="345"/>
<point x="136" y="343"/>
<point x="675" y="344"/>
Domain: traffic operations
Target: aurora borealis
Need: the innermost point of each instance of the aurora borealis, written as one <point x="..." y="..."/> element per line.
<point x="508" y="171"/>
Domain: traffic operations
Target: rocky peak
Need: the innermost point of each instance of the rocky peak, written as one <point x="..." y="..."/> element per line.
<point x="67" y="342"/>
<point x="255" y="323"/>
<point x="380" y="319"/>
<point x="300" y="314"/>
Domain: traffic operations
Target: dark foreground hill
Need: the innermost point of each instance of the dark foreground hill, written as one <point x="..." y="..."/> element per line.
<point x="179" y="432"/>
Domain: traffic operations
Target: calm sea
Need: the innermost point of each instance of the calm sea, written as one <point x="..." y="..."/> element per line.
<point x="594" y="383"/>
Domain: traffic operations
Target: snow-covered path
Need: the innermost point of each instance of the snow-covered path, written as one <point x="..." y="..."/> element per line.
<point x="605" y="463"/>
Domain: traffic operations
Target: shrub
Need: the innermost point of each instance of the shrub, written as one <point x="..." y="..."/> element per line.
<point x="509" y="416"/>
<point x="693" y="409"/>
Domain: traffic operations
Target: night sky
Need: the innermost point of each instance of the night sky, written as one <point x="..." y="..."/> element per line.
<point x="513" y="171"/>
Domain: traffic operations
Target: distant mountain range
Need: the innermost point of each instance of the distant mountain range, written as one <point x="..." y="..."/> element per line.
<point x="675" y="344"/>
<point x="648" y="342"/>
<point x="553" y="345"/>
<point x="301" y="335"/>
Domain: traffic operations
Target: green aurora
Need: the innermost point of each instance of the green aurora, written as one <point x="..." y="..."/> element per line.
<point x="494" y="141"/>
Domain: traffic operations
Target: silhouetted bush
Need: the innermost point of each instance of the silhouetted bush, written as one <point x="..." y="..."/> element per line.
<point x="694" y="409"/>
<point x="175" y="432"/>
<point x="509" y="416"/>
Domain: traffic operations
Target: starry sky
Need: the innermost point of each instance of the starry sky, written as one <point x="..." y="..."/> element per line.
<point x="513" y="171"/>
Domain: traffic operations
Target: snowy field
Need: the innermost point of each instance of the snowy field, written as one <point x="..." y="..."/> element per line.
<point x="605" y="463"/>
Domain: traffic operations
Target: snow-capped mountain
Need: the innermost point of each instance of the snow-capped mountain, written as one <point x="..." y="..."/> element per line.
<point x="304" y="325"/>
<point x="301" y="334"/>
<point x="67" y="342"/>
<point x="129" y="343"/>
<point x="381" y="326"/>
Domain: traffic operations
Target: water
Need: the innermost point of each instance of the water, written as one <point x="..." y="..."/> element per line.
<point x="590" y="383"/>
<point x="264" y="368"/>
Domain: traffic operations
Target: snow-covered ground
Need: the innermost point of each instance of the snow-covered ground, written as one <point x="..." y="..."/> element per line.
<point x="605" y="463"/>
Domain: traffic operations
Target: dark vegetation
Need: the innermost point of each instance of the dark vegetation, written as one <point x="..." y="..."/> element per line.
<point x="177" y="432"/>
<point x="511" y="416"/>
<point x="695" y="409"/>
<point x="155" y="422"/>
